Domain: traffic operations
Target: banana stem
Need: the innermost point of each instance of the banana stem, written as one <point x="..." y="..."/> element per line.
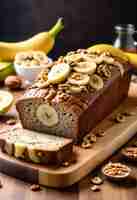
<point x="56" y="28"/>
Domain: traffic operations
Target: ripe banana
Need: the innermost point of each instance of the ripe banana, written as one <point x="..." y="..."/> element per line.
<point x="101" y="48"/>
<point x="132" y="58"/>
<point x="43" y="41"/>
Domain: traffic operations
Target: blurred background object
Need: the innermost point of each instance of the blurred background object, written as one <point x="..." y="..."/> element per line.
<point x="86" y="22"/>
<point x="125" y="37"/>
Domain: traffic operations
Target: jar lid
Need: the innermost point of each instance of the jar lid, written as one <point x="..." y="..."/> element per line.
<point x="130" y="28"/>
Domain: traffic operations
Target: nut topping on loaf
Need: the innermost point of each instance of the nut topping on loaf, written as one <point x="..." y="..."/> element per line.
<point x="79" y="89"/>
<point x="78" y="77"/>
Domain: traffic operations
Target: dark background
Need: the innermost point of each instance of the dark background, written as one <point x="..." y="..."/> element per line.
<point x="86" y="21"/>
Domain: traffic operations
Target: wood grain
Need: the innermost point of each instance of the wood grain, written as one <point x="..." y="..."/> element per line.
<point x="116" y="135"/>
<point x="14" y="189"/>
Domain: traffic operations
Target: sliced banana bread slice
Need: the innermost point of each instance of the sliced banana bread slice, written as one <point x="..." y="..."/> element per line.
<point x="36" y="147"/>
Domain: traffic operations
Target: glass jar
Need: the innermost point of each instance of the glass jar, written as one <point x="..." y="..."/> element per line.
<point x="124" y="39"/>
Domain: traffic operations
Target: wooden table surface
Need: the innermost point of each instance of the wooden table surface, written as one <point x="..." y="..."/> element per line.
<point x="14" y="189"/>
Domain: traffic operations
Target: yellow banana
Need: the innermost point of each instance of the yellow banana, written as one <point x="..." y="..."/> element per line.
<point x="126" y="56"/>
<point x="100" y="48"/>
<point x="43" y="41"/>
<point x="132" y="58"/>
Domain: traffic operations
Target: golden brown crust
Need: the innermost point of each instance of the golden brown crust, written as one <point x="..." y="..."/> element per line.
<point x="78" y="112"/>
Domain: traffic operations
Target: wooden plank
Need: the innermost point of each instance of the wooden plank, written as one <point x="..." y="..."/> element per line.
<point x="87" y="159"/>
<point x="14" y="189"/>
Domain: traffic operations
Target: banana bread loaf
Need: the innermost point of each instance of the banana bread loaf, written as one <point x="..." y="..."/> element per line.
<point x="36" y="147"/>
<point x="74" y="93"/>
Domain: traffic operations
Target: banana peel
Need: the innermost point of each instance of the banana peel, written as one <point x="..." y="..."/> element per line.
<point x="32" y="156"/>
<point x="6" y="69"/>
<point x="101" y="48"/>
<point x="43" y="41"/>
<point x="132" y="58"/>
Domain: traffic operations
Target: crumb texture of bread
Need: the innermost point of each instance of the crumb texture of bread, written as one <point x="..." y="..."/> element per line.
<point x="36" y="147"/>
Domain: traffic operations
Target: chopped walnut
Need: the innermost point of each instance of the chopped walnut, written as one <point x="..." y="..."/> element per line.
<point x="96" y="180"/>
<point x="86" y="145"/>
<point x="11" y="121"/>
<point x="35" y="187"/>
<point x="104" y="70"/>
<point x="51" y="94"/>
<point x="95" y="188"/>
<point x="65" y="164"/>
<point x="120" y="118"/>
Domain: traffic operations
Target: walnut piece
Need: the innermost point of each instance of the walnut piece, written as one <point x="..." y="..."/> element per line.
<point x="13" y="82"/>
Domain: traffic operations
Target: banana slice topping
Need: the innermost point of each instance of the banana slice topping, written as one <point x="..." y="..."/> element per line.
<point x="78" y="79"/>
<point x="58" y="73"/>
<point x="47" y="115"/>
<point x="86" y="67"/>
<point x="96" y="82"/>
<point x="74" y="89"/>
<point x="73" y="58"/>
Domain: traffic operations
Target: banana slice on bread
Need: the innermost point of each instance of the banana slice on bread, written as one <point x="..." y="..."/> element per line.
<point x="58" y="73"/>
<point x="47" y="115"/>
<point x="73" y="57"/>
<point x="78" y="79"/>
<point x="96" y="82"/>
<point x="32" y="155"/>
<point x="19" y="150"/>
<point x="86" y="67"/>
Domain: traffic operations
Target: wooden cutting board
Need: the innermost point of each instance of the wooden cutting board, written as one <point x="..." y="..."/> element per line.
<point x="116" y="135"/>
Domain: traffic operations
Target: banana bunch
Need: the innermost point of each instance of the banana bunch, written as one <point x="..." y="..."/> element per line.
<point x="125" y="56"/>
<point x="43" y="41"/>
